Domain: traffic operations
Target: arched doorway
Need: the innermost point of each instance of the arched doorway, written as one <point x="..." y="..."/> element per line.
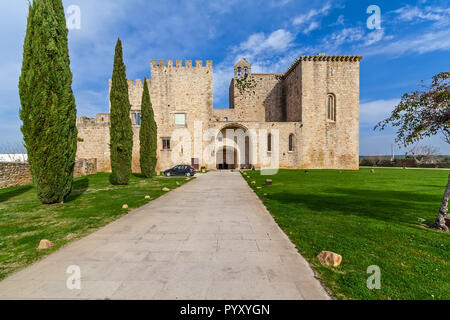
<point x="227" y="158"/>
<point x="233" y="148"/>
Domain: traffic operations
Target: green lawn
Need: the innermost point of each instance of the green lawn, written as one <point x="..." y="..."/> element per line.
<point x="24" y="221"/>
<point x="370" y="219"/>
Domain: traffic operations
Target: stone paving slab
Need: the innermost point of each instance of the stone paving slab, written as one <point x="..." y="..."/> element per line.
<point x="210" y="239"/>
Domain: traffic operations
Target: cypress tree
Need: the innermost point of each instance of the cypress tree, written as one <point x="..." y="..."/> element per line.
<point x="121" y="134"/>
<point x="48" y="110"/>
<point x="147" y="135"/>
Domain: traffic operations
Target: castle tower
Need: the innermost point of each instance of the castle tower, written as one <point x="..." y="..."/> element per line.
<point x="242" y="69"/>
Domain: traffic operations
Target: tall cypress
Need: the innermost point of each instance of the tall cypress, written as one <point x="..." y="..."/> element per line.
<point x="48" y="110"/>
<point x="121" y="134"/>
<point x="147" y="135"/>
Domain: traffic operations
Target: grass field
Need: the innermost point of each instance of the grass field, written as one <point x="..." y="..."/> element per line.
<point x="370" y="219"/>
<point x="24" y="221"/>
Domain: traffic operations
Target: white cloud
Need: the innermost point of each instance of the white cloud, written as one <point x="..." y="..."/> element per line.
<point x="277" y="41"/>
<point x="372" y="112"/>
<point x="340" y="21"/>
<point x="311" y="21"/>
<point x="373" y="37"/>
<point x="423" y="43"/>
<point x="312" y="26"/>
<point x="279" y="3"/>
<point x="311" y="15"/>
<point x="346" y="35"/>
<point x="411" y="13"/>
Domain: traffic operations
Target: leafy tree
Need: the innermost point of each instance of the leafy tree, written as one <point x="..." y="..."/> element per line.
<point x="121" y="134"/>
<point x="147" y="135"/>
<point x="424" y="113"/>
<point x="48" y="110"/>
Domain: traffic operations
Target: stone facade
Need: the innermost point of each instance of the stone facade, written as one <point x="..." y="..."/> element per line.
<point x="14" y="174"/>
<point x="312" y="111"/>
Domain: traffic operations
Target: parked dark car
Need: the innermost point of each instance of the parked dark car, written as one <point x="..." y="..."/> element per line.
<point x="180" y="170"/>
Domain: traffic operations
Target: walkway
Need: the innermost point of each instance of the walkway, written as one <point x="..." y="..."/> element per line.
<point x="210" y="239"/>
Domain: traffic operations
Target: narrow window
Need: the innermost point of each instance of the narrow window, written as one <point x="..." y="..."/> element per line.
<point x="245" y="72"/>
<point x="269" y="142"/>
<point x="225" y="119"/>
<point x="180" y="119"/>
<point x="137" y="118"/>
<point x="291" y="142"/>
<point x="166" y="144"/>
<point x="331" y="112"/>
<point x="239" y="72"/>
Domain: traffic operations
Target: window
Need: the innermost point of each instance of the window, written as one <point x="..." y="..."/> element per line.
<point x="331" y="112"/>
<point x="180" y="119"/>
<point x="166" y="144"/>
<point x="239" y="72"/>
<point x="225" y="119"/>
<point x="245" y="72"/>
<point x="291" y="142"/>
<point x="136" y="118"/>
<point x="269" y="142"/>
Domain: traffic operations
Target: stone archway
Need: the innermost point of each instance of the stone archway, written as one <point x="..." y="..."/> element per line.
<point x="233" y="152"/>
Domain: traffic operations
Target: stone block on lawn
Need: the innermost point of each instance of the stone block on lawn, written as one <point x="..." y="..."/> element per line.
<point x="328" y="258"/>
<point x="253" y="182"/>
<point x="45" y="244"/>
<point x="148" y="197"/>
<point x="177" y="183"/>
<point x="125" y="206"/>
<point x="268" y="182"/>
<point x="165" y="189"/>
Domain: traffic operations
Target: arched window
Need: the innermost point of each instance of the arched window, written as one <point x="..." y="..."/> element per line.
<point x="269" y="142"/>
<point x="239" y="72"/>
<point x="331" y="104"/>
<point x="291" y="142"/>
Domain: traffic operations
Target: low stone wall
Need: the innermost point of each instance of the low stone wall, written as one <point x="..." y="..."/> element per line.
<point x="14" y="174"/>
<point x="85" y="167"/>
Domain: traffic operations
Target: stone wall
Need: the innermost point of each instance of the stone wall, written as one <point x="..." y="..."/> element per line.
<point x="85" y="167"/>
<point x="326" y="143"/>
<point x="292" y="89"/>
<point x="258" y="98"/>
<point x="93" y="140"/>
<point x="14" y="174"/>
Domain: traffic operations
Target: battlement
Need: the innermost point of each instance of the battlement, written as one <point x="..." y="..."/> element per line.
<point x="136" y="83"/>
<point x="101" y="120"/>
<point x="179" y="64"/>
<point x="131" y="82"/>
<point x="322" y="57"/>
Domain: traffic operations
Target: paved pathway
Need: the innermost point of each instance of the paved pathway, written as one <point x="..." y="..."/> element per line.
<point x="210" y="239"/>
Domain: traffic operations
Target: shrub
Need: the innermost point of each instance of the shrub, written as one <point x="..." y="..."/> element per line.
<point x="121" y="134"/>
<point x="48" y="110"/>
<point x="147" y="135"/>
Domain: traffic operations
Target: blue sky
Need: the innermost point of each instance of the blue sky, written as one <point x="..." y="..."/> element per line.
<point x="413" y="44"/>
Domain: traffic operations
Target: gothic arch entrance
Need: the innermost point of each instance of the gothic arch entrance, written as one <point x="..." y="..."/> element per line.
<point x="233" y="148"/>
